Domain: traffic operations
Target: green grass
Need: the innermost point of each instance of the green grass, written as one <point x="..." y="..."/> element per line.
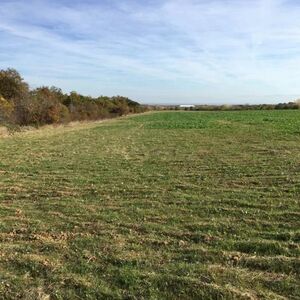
<point x="170" y="205"/>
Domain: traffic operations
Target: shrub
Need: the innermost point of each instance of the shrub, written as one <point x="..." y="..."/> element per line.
<point x="46" y="105"/>
<point x="6" y="110"/>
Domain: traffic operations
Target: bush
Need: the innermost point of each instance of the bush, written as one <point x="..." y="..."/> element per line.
<point x="46" y="105"/>
<point x="6" y="110"/>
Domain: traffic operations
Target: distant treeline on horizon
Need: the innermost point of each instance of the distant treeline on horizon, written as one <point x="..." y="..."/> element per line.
<point x="49" y="105"/>
<point x="208" y="107"/>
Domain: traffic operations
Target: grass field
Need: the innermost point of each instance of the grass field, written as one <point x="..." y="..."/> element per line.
<point x="170" y="205"/>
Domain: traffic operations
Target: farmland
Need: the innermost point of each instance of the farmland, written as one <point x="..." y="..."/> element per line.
<point x="166" y="205"/>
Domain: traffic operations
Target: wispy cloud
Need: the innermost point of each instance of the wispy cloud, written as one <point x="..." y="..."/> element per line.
<point x="157" y="51"/>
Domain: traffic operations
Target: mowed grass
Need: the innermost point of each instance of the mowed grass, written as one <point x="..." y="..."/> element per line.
<point x="169" y="205"/>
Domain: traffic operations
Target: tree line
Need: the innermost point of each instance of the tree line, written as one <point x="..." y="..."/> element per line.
<point x="235" y="107"/>
<point x="19" y="105"/>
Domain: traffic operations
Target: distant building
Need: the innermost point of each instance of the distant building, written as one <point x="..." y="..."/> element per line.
<point x="186" y="105"/>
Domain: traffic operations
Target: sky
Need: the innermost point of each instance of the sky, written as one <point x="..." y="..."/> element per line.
<point x="157" y="51"/>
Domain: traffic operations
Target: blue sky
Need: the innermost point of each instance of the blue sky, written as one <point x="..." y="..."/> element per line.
<point x="157" y="51"/>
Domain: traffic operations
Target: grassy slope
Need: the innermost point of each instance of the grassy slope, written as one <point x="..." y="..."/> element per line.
<point x="165" y="205"/>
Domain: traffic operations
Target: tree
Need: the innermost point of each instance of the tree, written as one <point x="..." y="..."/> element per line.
<point x="16" y="91"/>
<point x="12" y="85"/>
<point x="6" y="110"/>
<point x="46" y="107"/>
